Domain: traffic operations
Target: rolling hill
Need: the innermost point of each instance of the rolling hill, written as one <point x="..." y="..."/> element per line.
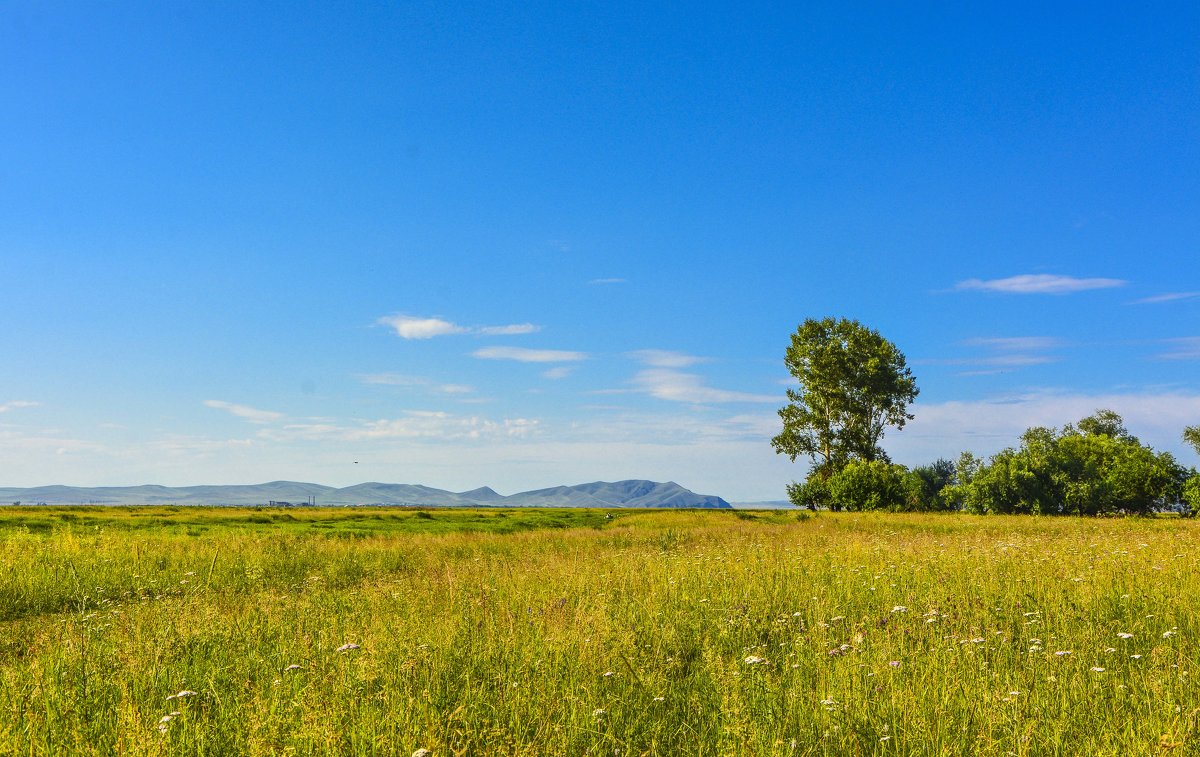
<point x="633" y="493"/>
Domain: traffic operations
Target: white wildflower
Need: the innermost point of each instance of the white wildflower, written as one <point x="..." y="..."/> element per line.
<point x="1124" y="636"/>
<point x="754" y="660"/>
<point x="347" y="647"/>
<point x="899" y="608"/>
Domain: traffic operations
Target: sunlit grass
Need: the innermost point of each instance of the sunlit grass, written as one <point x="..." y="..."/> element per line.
<point x="572" y="632"/>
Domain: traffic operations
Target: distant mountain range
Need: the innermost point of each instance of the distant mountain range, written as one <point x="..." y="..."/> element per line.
<point x="598" y="494"/>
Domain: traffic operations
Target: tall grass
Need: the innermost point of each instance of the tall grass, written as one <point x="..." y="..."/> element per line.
<point x="647" y="633"/>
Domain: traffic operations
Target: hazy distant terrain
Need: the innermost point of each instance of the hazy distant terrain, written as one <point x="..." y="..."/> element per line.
<point x="634" y="493"/>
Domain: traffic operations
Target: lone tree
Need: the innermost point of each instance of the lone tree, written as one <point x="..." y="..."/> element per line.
<point x="853" y="385"/>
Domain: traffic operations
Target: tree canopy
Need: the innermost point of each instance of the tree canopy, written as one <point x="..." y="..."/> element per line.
<point x="853" y="385"/>
<point x="1191" y="435"/>
<point x="1092" y="468"/>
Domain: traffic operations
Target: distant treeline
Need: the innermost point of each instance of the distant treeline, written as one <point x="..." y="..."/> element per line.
<point x="1093" y="467"/>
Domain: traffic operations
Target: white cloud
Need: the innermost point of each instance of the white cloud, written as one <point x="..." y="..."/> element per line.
<point x="1040" y="283"/>
<point x="1186" y="348"/>
<point x="607" y="281"/>
<point x="196" y="446"/>
<point x="1003" y="360"/>
<point x="515" y="328"/>
<point x="523" y="355"/>
<point x="15" y="404"/>
<point x="392" y="379"/>
<point x="1168" y="297"/>
<point x="677" y="386"/>
<point x="666" y="358"/>
<point x="251" y="414"/>
<point x="560" y="372"/>
<point x="415" y="424"/>
<point x="1006" y="353"/>
<point x="408" y="327"/>
<point x="411" y="327"/>
<point x="401" y="379"/>
<point x="1016" y="343"/>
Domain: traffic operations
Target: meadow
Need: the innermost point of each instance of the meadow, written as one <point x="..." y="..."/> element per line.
<point x="156" y="631"/>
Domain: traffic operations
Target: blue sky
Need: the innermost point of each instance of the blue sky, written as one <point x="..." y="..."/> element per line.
<point x="521" y="247"/>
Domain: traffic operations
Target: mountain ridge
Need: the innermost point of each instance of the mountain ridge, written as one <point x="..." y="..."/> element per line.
<point x="601" y="494"/>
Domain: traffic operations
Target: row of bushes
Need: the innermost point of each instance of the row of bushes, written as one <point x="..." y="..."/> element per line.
<point x="1095" y="467"/>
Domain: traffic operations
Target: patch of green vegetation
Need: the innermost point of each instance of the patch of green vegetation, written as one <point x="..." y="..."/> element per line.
<point x="338" y="630"/>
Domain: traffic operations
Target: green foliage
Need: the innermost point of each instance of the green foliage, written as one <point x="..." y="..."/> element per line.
<point x="854" y="384"/>
<point x="1105" y="423"/>
<point x="813" y="493"/>
<point x="1191" y="493"/>
<point x="869" y="485"/>
<point x="1093" y="468"/>
<point x="878" y="485"/>
<point x="927" y="486"/>
<point x="1191" y="435"/>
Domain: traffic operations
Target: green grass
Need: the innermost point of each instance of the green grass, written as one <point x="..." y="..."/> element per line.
<point x="571" y="632"/>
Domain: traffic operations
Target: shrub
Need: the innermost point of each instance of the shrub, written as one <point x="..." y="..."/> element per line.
<point x="869" y="485"/>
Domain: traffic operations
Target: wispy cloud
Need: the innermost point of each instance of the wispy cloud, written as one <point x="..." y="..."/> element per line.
<point x="677" y="386"/>
<point x="559" y="372"/>
<point x="1167" y="297"/>
<point x="415" y="424"/>
<point x="666" y="358"/>
<point x="511" y="329"/>
<point x="524" y="355"/>
<point x="607" y="281"/>
<point x="402" y="379"/>
<point x="1016" y="343"/>
<point x="414" y="327"/>
<point x="1005" y="353"/>
<point x="393" y="379"/>
<point x="16" y="404"/>
<point x="1185" y="348"/>
<point x="1039" y="283"/>
<point x="254" y="415"/>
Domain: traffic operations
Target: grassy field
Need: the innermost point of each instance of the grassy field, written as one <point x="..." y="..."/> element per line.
<point x="204" y="631"/>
